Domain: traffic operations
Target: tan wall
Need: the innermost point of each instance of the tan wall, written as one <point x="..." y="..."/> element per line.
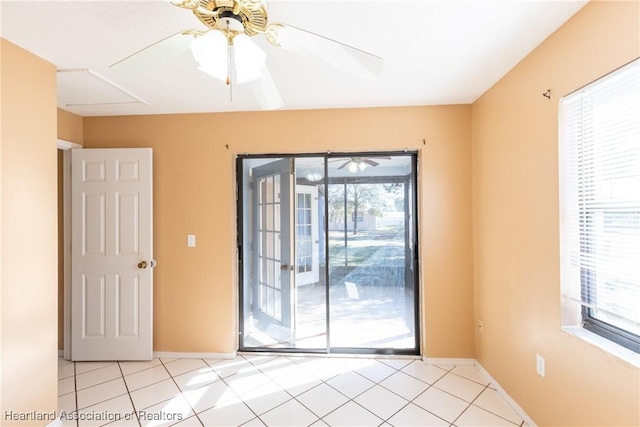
<point x="29" y="236"/>
<point x="70" y="127"/>
<point x="516" y="228"/>
<point x="195" y="288"/>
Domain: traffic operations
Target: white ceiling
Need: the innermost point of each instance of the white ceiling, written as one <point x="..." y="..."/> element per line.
<point x="436" y="51"/>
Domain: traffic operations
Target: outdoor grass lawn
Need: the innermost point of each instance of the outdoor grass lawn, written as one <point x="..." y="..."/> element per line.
<point x="377" y="247"/>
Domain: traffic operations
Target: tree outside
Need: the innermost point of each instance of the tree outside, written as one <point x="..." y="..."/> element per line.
<point x="377" y="241"/>
<point x="372" y="199"/>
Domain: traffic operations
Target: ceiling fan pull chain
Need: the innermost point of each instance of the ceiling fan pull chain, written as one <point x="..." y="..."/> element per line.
<point x="229" y="61"/>
<point x="229" y="79"/>
<point x="229" y="69"/>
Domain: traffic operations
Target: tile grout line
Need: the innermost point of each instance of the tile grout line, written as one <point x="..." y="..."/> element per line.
<point x="101" y="401"/>
<point x="386" y="420"/>
<point x="309" y="409"/>
<point x="126" y="386"/>
<point x="424" y="409"/>
<point x="468" y="403"/>
<point x="283" y="389"/>
<point x="410" y="401"/>
<point x="351" y="370"/>
<point x="480" y="407"/>
<point x="287" y="391"/>
<point x="232" y="390"/>
<point x="450" y="371"/>
<point x="93" y="370"/>
<point x="75" y="389"/>
<point x="322" y="381"/>
<point x="181" y="392"/>
<point x="150" y="385"/>
<point x="487" y="386"/>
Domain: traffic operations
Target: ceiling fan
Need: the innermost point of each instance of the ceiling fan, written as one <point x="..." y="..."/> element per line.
<point x="355" y="164"/>
<point x="225" y="50"/>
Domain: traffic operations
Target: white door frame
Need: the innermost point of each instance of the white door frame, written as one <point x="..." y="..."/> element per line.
<point x="66" y="147"/>
<point x="312" y="276"/>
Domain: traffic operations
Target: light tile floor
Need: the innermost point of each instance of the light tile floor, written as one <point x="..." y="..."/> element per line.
<point x="261" y="390"/>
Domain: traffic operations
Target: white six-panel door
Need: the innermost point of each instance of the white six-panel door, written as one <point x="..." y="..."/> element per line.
<point x="112" y="252"/>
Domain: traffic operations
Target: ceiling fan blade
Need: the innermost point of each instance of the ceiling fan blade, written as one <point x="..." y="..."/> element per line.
<point x="338" y="54"/>
<point x="345" y="164"/>
<point x="156" y="54"/>
<point x="266" y="91"/>
<point x="369" y="162"/>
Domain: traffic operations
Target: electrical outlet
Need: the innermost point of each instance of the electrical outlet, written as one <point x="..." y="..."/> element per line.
<point x="540" y="365"/>
<point x="191" y="240"/>
<point x="481" y="326"/>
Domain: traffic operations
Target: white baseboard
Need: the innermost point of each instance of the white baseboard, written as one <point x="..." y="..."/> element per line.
<point x="527" y="419"/>
<point x="494" y="383"/>
<point x="331" y="355"/>
<point x="180" y="355"/>
<point x="447" y="361"/>
<point x="185" y="355"/>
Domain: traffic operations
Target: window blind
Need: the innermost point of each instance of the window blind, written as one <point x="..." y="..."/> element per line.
<point x="600" y="198"/>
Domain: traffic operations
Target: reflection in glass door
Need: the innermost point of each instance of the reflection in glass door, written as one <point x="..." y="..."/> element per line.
<point x="269" y="256"/>
<point x="307" y="230"/>
<point x="327" y="250"/>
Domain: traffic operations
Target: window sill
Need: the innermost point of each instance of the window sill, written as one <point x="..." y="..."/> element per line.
<point x="604" y="344"/>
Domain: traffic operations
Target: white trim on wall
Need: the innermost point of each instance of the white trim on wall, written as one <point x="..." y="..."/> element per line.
<point x="447" y="361"/>
<point x="514" y="405"/>
<point x="63" y="144"/>
<point x="66" y="146"/>
<point x="185" y="355"/>
<point x="493" y="383"/>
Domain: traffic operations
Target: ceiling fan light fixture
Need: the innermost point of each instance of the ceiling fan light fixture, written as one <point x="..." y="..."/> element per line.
<point x="210" y="52"/>
<point x="249" y="59"/>
<point x="314" y="176"/>
<point x="356" y="165"/>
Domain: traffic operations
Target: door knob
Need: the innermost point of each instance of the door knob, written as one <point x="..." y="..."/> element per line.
<point x="142" y="264"/>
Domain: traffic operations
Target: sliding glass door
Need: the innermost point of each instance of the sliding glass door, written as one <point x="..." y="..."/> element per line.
<point x="327" y="248"/>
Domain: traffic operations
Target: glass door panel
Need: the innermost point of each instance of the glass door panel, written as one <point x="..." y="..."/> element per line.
<point x="371" y="245"/>
<point x="283" y="294"/>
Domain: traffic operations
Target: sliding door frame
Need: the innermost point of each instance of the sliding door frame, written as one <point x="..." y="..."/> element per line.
<point x="412" y="272"/>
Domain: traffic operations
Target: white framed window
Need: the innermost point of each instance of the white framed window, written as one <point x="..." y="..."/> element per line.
<point x="599" y="134"/>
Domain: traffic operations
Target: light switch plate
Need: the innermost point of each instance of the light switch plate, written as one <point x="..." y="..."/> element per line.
<point x="540" y="365"/>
